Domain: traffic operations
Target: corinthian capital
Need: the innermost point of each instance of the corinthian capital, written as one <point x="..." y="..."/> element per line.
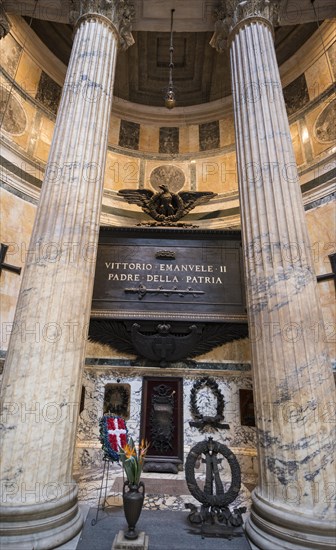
<point x="119" y="12"/>
<point x="4" y="22"/>
<point x="230" y="14"/>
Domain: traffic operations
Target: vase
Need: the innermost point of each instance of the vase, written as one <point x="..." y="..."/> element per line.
<point x="133" y="502"/>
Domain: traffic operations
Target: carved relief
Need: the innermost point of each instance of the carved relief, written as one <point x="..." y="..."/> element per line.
<point x="161" y="418"/>
<point x="165" y="206"/>
<point x="120" y="12"/>
<point x="117" y="400"/>
<point x="14" y="121"/>
<point x="325" y="125"/>
<point x="170" y="175"/>
<point x="232" y="12"/>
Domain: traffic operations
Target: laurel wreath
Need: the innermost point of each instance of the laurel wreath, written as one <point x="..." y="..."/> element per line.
<point x="213" y="386"/>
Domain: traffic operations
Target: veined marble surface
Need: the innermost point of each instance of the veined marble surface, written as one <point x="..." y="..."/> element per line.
<point x="88" y="468"/>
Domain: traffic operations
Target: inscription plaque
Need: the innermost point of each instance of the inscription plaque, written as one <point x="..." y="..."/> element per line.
<point x="171" y="274"/>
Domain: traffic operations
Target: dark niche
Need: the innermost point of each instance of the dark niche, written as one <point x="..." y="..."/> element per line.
<point x="247" y="416"/>
<point x="162" y="423"/>
<point x="117" y="400"/>
<point x="129" y="135"/>
<point x="209" y="135"/>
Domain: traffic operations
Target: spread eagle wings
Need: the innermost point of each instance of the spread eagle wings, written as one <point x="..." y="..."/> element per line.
<point x="191" y="199"/>
<point x="137" y="196"/>
<point x="154" y="204"/>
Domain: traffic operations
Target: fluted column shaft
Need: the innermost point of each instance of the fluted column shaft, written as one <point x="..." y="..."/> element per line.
<point x="42" y="376"/>
<point x="293" y="382"/>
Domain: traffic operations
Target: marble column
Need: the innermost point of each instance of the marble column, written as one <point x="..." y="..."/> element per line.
<point x="42" y="376"/>
<point x="292" y="505"/>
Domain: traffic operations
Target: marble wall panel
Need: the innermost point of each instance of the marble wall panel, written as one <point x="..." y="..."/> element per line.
<point x="297" y="143"/>
<point x="227" y="131"/>
<point x="149" y="138"/>
<point x="121" y="172"/>
<point x="296" y="95"/>
<point x="318" y="77"/>
<point x="217" y="174"/>
<point x="28" y="74"/>
<point x="10" y="52"/>
<point x="321" y="223"/>
<point x="189" y="138"/>
<point x="332" y="58"/>
<point x="129" y="135"/>
<point x="44" y="138"/>
<point x="17" y="218"/>
<point x="114" y="130"/>
<point x="209" y="136"/>
<point x="48" y="92"/>
<point x="238" y="351"/>
<point x="241" y="438"/>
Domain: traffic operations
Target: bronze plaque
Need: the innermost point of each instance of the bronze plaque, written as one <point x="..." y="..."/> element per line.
<point x="169" y="274"/>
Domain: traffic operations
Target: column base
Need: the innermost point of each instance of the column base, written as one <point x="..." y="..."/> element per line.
<point x="270" y="526"/>
<point x="40" y="526"/>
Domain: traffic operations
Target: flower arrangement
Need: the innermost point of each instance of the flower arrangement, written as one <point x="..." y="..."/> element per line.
<point x="112" y="435"/>
<point x="118" y="446"/>
<point x="132" y="459"/>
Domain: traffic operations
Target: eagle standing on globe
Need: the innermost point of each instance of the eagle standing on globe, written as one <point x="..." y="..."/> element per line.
<point x="165" y="206"/>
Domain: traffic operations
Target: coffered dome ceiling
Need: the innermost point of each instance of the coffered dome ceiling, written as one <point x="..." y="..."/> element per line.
<point x="200" y="73"/>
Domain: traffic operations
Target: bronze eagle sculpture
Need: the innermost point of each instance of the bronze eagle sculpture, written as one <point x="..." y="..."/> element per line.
<point x="165" y="206"/>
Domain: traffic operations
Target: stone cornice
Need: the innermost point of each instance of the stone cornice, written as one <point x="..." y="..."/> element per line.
<point x="119" y="12"/>
<point x="231" y="15"/>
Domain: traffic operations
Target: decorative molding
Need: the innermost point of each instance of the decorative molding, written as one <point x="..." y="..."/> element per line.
<point x="231" y="15"/>
<point x="119" y="12"/>
<point x="201" y="421"/>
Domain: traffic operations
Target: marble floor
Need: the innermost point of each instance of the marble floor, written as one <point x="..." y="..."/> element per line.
<point x="163" y="492"/>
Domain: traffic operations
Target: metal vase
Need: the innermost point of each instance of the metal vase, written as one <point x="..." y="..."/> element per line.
<point x="133" y="502"/>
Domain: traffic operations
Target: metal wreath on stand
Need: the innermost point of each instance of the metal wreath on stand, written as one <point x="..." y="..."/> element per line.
<point x="203" y="421"/>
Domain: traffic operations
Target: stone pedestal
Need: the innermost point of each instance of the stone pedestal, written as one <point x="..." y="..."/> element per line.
<point x="42" y="375"/>
<point x="293" y="383"/>
<point x="120" y="543"/>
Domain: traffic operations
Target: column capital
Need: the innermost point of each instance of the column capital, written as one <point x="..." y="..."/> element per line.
<point x="231" y="15"/>
<point x="119" y="12"/>
<point x="4" y="22"/>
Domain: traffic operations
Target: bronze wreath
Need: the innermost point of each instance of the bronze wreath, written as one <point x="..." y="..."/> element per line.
<point x="220" y="500"/>
<point x="201" y="420"/>
<point x="124" y="397"/>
